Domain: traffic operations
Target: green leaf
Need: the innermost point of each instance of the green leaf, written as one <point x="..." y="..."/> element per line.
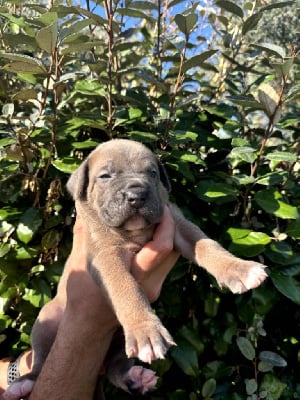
<point x="238" y="233"/>
<point x="287" y="285"/>
<point x="246" y="348"/>
<point x="271" y="201"/>
<point x="196" y="61"/>
<point x="66" y="164"/>
<point x="264" y="367"/>
<point x="134" y="13"/>
<point x="209" y="388"/>
<point x="192" y="337"/>
<point x="186" y="358"/>
<point x="283" y="68"/>
<point x="23" y="63"/>
<point x="144" y="5"/>
<point x="277" y="5"/>
<point x="48" y="18"/>
<point x="4" y="249"/>
<point x="47" y="38"/>
<point x="29" y="224"/>
<point x="280" y="253"/>
<point x="233" y="8"/>
<point x="87" y="144"/>
<point x="293" y="229"/>
<point x="191" y="20"/>
<point x="25" y="94"/>
<point x="50" y="240"/>
<point x="244" y="153"/>
<point x="220" y="190"/>
<point x="39" y="295"/>
<point x="272" y="358"/>
<point x="135" y="113"/>
<point x="75" y="28"/>
<point x="98" y="20"/>
<point x="245" y="101"/>
<point x="253" y="238"/>
<point x="270" y="100"/>
<point x="293" y="93"/>
<point x="272" y="178"/>
<point x="282" y="156"/>
<point x="25" y="253"/>
<point x="271" y="49"/>
<point x="181" y="22"/>
<point x="251" y="386"/>
<point x="251" y="23"/>
<point x="192" y="158"/>
<point x="19" y="21"/>
<point x="273" y="386"/>
<point x="186" y="23"/>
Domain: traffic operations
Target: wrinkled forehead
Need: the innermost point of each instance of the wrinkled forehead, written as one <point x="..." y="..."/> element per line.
<point x="116" y="158"/>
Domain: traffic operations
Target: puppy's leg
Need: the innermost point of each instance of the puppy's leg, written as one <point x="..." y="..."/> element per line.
<point x="145" y="336"/>
<point x="122" y="372"/>
<point x="230" y="271"/>
<point x="42" y="337"/>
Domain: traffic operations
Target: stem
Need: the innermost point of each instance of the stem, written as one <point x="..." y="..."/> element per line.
<point x="177" y="86"/>
<point x="108" y="5"/>
<point x="267" y="134"/>
<point x="269" y="129"/>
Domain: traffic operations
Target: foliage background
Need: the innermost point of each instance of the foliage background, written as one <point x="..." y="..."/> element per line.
<point x="213" y="89"/>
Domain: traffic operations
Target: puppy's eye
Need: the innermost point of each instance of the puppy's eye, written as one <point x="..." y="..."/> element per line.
<point x="153" y="173"/>
<point x="104" y="175"/>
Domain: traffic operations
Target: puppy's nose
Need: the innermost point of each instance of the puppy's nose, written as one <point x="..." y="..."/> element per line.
<point x="136" y="198"/>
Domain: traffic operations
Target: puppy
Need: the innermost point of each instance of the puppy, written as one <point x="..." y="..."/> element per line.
<point x="120" y="190"/>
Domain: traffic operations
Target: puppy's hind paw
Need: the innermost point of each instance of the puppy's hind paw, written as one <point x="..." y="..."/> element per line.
<point x="141" y="379"/>
<point x="18" y="390"/>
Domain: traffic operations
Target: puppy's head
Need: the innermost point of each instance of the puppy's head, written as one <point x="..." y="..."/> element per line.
<point x="124" y="182"/>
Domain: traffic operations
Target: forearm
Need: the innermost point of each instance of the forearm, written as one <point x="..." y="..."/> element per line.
<point x="72" y="367"/>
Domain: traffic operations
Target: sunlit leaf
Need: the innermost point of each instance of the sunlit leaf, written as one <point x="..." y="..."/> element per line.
<point x="271" y="49"/>
<point x="47" y="38"/>
<point x="271" y="201"/>
<point x="23" y="63"/>
<point x="269" y="98"/>
<point x="29" y="223"/>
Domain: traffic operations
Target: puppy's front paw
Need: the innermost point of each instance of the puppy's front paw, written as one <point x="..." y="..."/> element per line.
<point x="141" y="379"/>
<point x="244" y="275"/>
<point x="148" y="340"/>
<point x="18" y="390"/>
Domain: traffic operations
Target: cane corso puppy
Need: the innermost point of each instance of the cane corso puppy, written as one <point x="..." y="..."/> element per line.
<point x="120" y="191"/>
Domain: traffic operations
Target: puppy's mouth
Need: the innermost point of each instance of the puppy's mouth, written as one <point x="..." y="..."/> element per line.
<point x="135" y="223"/>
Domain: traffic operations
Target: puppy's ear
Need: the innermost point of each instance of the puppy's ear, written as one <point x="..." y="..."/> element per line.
<point x="163" y="176"/>
<point x="78" y="182"/>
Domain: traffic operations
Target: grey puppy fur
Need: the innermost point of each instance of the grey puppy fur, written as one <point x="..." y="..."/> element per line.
<point x="120" y="190"/>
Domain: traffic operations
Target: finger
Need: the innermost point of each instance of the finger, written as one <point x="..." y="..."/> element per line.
<point x="155" y="251"/>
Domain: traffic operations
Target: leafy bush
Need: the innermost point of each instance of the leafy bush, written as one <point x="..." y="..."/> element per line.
<point x="221" y="110"/>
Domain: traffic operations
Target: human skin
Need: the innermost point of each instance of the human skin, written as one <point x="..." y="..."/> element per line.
<point x="80" y="348"/>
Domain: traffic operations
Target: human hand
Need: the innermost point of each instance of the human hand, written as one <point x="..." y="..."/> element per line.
<point x="151" y="264"/>
<point x="155" y="260"/>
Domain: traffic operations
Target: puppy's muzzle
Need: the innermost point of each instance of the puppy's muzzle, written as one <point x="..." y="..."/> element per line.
<point x="136" y="196"/>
